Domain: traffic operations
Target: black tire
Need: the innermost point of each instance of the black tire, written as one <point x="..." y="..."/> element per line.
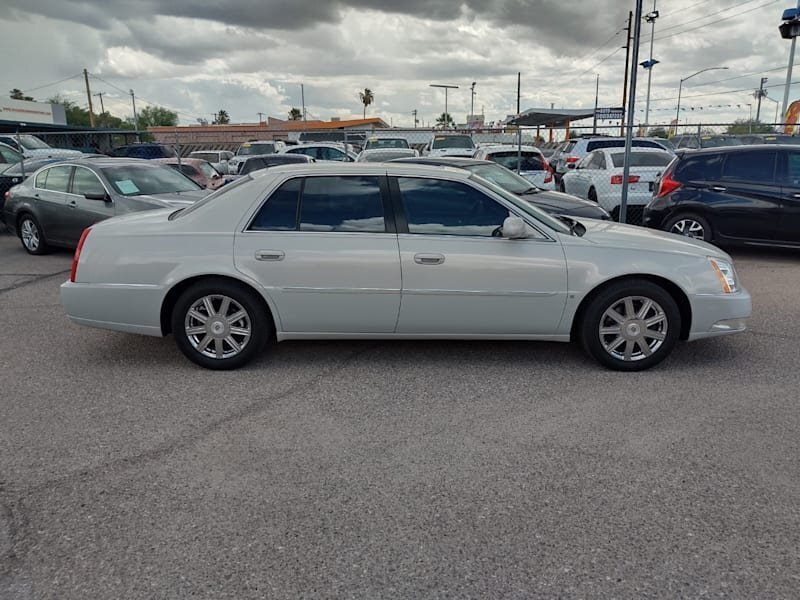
<point x="691" y="225"/>
<point x="31" y="235"/>
<point x="224" y="355"/>
<point x="561" y="187"/>
<point x="628" y="353"/>
<point x="592" y="195"/>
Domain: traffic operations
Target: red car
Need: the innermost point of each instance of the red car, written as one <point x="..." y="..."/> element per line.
<point x="199" y="171"/>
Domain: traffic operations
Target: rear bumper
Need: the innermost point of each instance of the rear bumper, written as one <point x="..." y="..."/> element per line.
<point x="121" y="307"/>
<point x="719" y="314"/>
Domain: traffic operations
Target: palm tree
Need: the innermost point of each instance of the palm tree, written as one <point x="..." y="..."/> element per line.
<point x="445" y="121"/>
<point x="366" y="99"/>
<point x="222" y="117"/>
<point x="295" y="114"/>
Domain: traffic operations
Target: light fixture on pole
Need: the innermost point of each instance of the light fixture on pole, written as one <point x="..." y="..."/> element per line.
<point x="790" y="29"/>
<point x="445" y="87"/>
<point x="680" y="87"/>
<point x="472" y="105"/>
<point x="650" y="62"/>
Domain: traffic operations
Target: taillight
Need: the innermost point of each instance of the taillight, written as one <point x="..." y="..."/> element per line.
<point x="571" y="159"/>
<point x="77" y="256"/>
<point x="617" y="179"/>
<point x="666" y="184"/>
<point x="548" y="178"/>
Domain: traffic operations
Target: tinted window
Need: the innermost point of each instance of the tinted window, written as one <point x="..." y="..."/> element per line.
<point x="279" y="213"/>
<point x="793" y="168"/>
<point x="531" y="161"/>
<point x="449" y="208"/>
<point x="9" y="156"/>
<point x="756" y="167"/>
<point x="253" y="164"/>
<point x="135" y="180"/>
<point x="86" y="182"/>
<point x="342" y="204"/>
<point x="452" y="141"/>
<point x="330" y="154"/>
<point x="699" y="168"/>
<point x="57" y="179"/>
<point x="312" y="152"/>
<point x="642" y="159"/>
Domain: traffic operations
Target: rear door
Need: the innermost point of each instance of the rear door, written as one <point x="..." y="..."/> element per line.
<point x="789" y="220"/>
<point x="50" y="191"/>
<point x="747" y="198"/>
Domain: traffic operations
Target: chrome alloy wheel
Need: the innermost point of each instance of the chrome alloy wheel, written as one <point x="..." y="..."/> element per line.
<point x="633" y="328"/>
<point x="217" y="326"/>
<point x="689" y="227"/>
<point x="29" y="233"/>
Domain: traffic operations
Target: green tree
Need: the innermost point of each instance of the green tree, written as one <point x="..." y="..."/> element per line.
<point x="445" y="121"/>
<point x="155" y="116"/>
<point x="749" y="126"/>
<point x="295" y="114"/>
<point x="658" y="132"/>
<point x="222" y="118"/>
<point x="367" y="97"/>
<point x="16" y="94"/>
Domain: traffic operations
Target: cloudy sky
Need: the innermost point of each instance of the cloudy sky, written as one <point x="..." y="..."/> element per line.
<point x="250" y="56"/>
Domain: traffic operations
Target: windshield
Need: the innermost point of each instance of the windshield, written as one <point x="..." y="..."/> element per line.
<point x="31" y="142"/>
<point x="452" y="141"/>
<point x="508" y="180"/>
<point x="530" y="161"/>
<point x="386" y="143"/>
<point x="642" y="159"/>
<point x="252" y="149"/>
<point x="137" y="180"/>
<point x="525" y="207"/>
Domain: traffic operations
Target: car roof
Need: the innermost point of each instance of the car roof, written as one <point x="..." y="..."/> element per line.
<point x="446" y="161"/>
<point x="395" y="167"/>
<point x="742" y="148"/>
<point x="507" y="147"/>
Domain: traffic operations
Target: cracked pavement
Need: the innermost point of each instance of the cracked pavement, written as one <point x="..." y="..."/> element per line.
<point x="395" y="469"/>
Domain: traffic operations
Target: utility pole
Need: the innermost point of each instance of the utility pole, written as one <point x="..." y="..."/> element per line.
<point x="414" y="112"/>
<point x="472" y="105"/>
<point x="259" y="117"/>
<point x="650" y="62"/>
<point x="519" y="75"/>
<point x="759" y="94"/>
<point x="627" y="64"/>
<point x="89" y="97"/>
<point x="626" y="169"/>
<point x="135" y="118"/>
<point x="596" y="99"/>
<point x="102" y="109"/>
<point x="303" y="101"/>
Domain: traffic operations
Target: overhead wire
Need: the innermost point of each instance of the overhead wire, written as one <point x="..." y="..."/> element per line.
<point x="33" y="89"/>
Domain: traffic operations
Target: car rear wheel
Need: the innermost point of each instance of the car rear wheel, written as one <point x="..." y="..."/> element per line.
<point x="220" y="324"/>
<point x="631" y="325"/>
<point x="690" y="225"/>
<point x="31" y="235"/>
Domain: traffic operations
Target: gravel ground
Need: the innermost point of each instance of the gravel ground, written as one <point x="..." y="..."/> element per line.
<point x="395" y="470"/>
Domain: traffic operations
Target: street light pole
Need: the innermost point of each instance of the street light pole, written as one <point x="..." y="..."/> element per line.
<point x="446" y="87"/>
<point x="472" y="104"/>
<point x="792" y="32"/>
<point x="652" y="18"/>
<point x="680" y="86"/>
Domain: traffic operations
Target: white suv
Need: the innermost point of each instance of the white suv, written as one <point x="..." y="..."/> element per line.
<point x="253" y="148"/>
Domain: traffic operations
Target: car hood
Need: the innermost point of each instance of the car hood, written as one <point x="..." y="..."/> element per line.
<point x="558" y="200"/>
<point x="177" y="199"/>
<point x="619" y="235"/>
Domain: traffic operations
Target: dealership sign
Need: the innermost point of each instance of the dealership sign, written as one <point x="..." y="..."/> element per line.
<point x="23" y="111"/>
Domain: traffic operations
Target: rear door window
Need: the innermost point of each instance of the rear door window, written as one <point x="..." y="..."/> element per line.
<point x="751" y="167"/>
<point x="705" y="167"/>
<point x="792" y="176"/>
<point x="279" y="212"/>
<point x="57" y="179"/>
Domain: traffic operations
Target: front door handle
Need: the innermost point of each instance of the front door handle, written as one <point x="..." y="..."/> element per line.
<point x="270" y="255"/>
<point x="429" y="259"/>
<point x="718" y="188"/>
<point x="795" y="195"/>
<point x="72" y="204"/>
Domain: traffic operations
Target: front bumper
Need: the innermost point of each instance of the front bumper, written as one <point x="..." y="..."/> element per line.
<point x="719" y="314"/>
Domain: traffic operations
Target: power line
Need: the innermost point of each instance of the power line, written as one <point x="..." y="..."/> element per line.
<point x="663" y="37"/>
<point x="707" y="16"/>
<point x="748" y="89"/>
<point x="33" y="89"/>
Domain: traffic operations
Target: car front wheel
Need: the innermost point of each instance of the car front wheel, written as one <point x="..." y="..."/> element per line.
<point x="631" y="325"/>
<point x="220" y="324"/>
<point x="31" y="235"/>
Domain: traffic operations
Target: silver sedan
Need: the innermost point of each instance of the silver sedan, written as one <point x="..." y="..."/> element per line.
<point x="396" y="251"/>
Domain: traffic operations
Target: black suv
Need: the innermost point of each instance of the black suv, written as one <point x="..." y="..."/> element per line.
<point x="734" y="195"/>
<point x="147" y="151"/>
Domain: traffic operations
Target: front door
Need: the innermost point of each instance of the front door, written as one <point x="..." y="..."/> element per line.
<point x="325" y="251"/>
<point x="789" y="220"/>
<point x="459" y="278"/>
<point x="81" y="211"/>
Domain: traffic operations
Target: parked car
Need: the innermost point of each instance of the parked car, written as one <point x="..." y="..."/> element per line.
<point x="282" y="254"/>
<point x="218" y="158"/>
<point x="9" y="156"/>
<point x="384" y="154"/>
<point x="375" y="142"/>
<point x="731" y="195"/>
<point x="532" y="163"/>
<point x="145" y="151"/>
<point x="16" y="173"/>
<point x="253" y="148"/>
<point x="256" y="163"/>
<point x="199" y="171"/>
<point x="330" y="151"/>
<point x="449" y="144"/>
<point x="695" y="142"/>
<point x="574" y="150"/>
<point x="59" y="201"/>
<point x="598" y="177"/>
<point x="768" y="138"/>
<point x="33" y="147"/>
<point x="554" y="203"/>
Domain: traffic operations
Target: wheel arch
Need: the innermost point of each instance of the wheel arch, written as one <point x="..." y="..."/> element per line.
<point x="680" y="297"/>
<point x="176" y="290"/>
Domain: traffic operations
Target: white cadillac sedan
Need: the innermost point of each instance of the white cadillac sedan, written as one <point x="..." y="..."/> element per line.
<point x="402" y="251"/>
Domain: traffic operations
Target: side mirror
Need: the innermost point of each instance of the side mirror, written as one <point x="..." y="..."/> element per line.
<point x="103" y="197"/>
<point x="572" y="165"/>
<point x="514" y="228"/>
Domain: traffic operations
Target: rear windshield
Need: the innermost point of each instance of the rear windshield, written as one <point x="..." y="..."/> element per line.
<point x="642" y="159"/>
<point x="596" y="144"/>
<point x="253" y="148"/>
<point x="719" y="141"/>
<point x="699" y="168"/>
<point x="530" y="161"/>
<point x="452" y="141"/>
<point x="386" y="143"/>
<point x="209" y="156"/>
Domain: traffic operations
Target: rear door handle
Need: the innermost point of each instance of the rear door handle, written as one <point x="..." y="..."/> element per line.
<point x="429" y="259"/>
<point x="718" y="188"/>
<point x="72" y="204"/>
<point x="270" y="255"/>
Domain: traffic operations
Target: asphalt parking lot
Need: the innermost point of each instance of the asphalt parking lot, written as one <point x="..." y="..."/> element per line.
<point x="395" y="470"/>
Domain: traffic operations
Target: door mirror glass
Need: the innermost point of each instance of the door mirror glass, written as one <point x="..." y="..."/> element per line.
<point x="97" y="196"/>
<point x="514" y="228"/>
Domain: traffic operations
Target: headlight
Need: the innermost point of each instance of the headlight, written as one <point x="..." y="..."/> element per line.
<point x="726" y="274"/>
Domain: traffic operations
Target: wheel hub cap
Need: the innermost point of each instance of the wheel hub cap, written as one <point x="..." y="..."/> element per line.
<point x="217" y="326"/>
<point x="633" y="328"/>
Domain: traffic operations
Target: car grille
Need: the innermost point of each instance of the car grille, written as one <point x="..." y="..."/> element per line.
<point x="634" y="215"/>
